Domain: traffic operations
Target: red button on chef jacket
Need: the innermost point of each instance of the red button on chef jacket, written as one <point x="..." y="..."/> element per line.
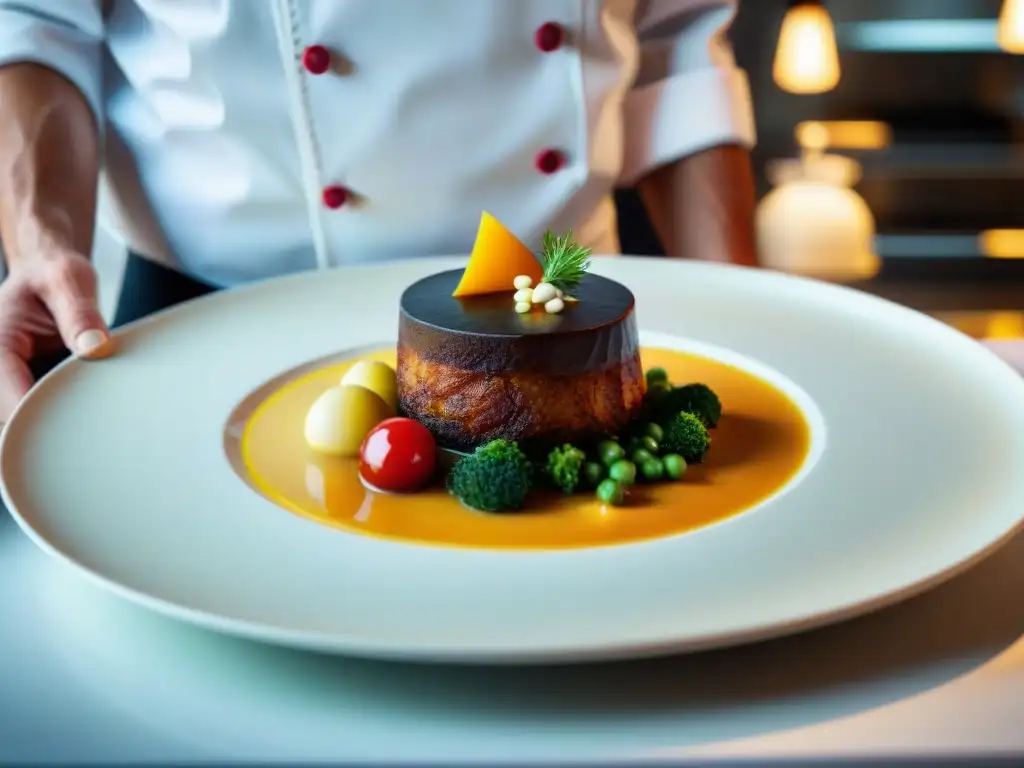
<point x="549" y="37"/>
<point x="316" y="59"/>
<point x="335" y="196"/>
<point x="549" y="160"/>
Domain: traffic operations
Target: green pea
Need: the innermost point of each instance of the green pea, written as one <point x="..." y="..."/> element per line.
<point x="609" y="451"/>
<point x="611" y="492"/>
<point x="653" y="470"/>
<point x="657" y="375"/>
<point x="640" y="455"/>
<point x="650" y="444"/>
<point x="675" y="465"/>
<point x="654" y="431"/>
<point x="623" y="471"/>
<point x="593" y="473"/>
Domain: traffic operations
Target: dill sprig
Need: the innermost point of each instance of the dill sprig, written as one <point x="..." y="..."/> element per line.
<point x="564" y="260"/>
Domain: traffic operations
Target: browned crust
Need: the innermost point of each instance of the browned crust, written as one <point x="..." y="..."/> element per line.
<point x="465" y="408"/>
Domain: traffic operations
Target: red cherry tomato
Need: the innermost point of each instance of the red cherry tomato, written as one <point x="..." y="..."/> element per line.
<point x="398" y="455"/>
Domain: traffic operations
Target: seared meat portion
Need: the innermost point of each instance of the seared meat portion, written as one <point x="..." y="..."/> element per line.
<point x="472" y="370"/>
<point x="467" y="408"/>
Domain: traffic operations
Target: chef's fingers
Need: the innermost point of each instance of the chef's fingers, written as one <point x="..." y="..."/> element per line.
<point x="15" y="382"/>
<point x="68" y="287"/>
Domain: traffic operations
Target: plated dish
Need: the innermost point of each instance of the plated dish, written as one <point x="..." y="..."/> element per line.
<point x="837" y="469"/>
<point x="515" y="411"/>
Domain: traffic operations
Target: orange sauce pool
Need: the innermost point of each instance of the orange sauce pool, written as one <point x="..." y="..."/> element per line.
<point x="759" y="445"/>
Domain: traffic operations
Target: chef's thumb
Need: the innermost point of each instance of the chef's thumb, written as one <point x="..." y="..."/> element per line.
<point x="74" y="304"/>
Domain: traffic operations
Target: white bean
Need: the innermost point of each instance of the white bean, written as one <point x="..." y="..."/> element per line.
<point x="522" y="281"/>
<point x="544" y="293"/>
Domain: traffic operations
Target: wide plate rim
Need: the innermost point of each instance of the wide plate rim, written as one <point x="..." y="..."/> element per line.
<point x="594" y="652"/>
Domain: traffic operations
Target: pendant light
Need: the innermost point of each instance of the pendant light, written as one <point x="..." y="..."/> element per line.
<point x="807" y="59"/>
<point x="1010" y="32"/>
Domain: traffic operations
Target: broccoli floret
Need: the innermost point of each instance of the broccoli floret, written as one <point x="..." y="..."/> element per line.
<point x="496" y="477"/>
<point x="691" y="398"/>
<point x="686" y="435"/>
<point x="504" y="450"/>
<point x="564" y="466"/>
<point x="701" y="400"/>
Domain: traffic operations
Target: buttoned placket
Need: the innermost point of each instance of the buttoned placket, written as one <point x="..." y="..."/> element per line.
<point x="548" y="38"/>
<point x="570" y="153"/>
<point x="312" y="59"/>
<point x="300" y="62"/>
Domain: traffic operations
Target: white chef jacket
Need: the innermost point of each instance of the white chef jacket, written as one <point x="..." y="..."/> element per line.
<point x="251" y="138"/>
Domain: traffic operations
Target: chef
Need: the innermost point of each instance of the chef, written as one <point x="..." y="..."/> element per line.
<point x="244" y="139"/>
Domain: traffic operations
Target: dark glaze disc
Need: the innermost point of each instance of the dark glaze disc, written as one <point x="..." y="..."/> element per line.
<point x="484" y="333"/>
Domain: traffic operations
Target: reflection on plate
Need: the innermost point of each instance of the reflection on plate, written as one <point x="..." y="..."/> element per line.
<point x="759" y="446"/>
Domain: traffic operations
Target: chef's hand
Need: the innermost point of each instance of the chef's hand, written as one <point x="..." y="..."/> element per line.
<point x="47" y="304"/>
<point x="49" y="173"/>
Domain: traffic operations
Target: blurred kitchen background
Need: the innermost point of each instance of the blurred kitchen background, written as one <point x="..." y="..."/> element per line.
<point x="890" y="154"/>
<point x="891" y="150"/>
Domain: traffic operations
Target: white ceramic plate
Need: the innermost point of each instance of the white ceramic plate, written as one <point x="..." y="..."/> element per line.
<point x="118" y="468"/>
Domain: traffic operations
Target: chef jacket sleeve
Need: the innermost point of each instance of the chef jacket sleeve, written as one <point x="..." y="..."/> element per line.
<point x="63" y="35"/>
<point x="688" y="95"/>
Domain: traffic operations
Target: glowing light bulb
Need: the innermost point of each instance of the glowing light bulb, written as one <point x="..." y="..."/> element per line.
<point x="807" y="60"/>
<point x="812" y="136"/>
<point x="1010" y="33"/>
<point x="1004" y="325"/>
<point x="1002" y="243"/>
<point x="843" y="134"/>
